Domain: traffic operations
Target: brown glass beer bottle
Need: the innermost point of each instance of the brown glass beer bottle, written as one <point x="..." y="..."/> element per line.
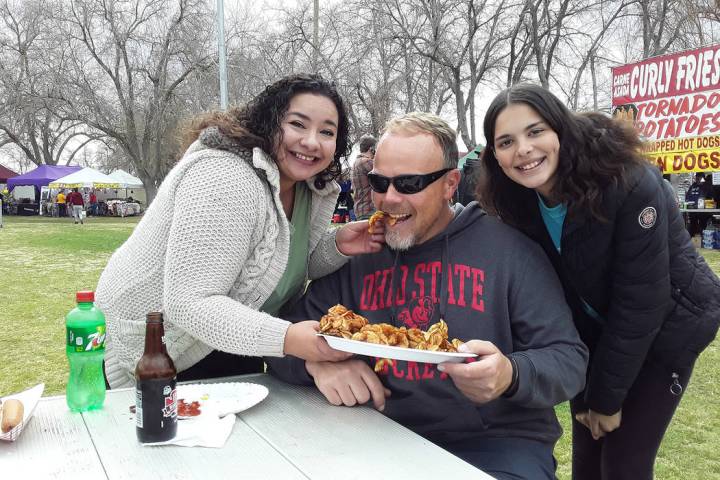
<point x="155" y="393"/>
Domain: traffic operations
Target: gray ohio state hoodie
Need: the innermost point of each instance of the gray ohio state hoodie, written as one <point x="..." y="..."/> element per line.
<point x="488" y="282"/>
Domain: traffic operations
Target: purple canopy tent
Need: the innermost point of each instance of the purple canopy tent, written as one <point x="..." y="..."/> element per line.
<point x="41" y="176"/>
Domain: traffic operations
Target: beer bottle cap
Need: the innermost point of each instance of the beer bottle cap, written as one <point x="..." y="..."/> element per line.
<point x="84" y="297"/>
<point x="154" y="317"/>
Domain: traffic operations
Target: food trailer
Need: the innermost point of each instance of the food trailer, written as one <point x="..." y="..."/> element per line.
<point x="674" y="103"/>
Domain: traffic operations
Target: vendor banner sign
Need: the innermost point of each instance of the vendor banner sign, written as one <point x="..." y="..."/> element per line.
<point x="674" y="103"/>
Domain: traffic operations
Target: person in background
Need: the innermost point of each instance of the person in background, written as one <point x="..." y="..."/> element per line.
<point x="75" y="200"/>
<point x="5" y="198"/>
<point x="363" y="164"/>
<point x="466" y="189"/>
<point x="697" y="190"/>
<point x="60" y="200"/>
<point x="344" y="206"/>
<point x="493" y="287"/>
<point x="645" y="303"/>
<point x="221" y="264"/>
<point x="701" y="188"/>
<point x="93" y="203"/>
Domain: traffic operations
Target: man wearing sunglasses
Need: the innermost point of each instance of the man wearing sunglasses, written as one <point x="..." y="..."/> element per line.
<point x="493" y="287"/>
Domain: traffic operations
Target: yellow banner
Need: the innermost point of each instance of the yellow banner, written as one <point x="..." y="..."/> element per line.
<point x="683" y="162"/>
<point x="676" y="145"/>
<point x="82" y="185"/>
<point x="681" y="155"/>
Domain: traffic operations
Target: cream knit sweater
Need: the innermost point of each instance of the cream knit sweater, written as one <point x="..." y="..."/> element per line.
<point x="208" y="252"/>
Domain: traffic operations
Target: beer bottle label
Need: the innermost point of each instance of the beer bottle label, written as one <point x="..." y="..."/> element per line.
<point x="138" y="406"/>
<point x="86" y="339"/>
<point x="156" y="409"/>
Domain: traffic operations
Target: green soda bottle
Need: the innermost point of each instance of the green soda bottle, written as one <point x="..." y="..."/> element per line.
<point x="85" y="349"/>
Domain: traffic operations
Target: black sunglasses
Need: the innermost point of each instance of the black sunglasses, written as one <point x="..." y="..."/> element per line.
<point x="407" y="184"/>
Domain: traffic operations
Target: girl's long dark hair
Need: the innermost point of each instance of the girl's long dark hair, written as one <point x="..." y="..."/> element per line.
<point x="595" y="152"/>
<point x="257" y="124"/>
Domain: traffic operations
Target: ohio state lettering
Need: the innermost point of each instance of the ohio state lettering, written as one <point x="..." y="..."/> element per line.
<point x="414" y="371"/>
<point x="419" y="291"/>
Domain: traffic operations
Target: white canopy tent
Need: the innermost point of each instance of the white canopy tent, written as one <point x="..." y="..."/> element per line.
<point x="131" y="185"/>
<point x="126" y="180"/>
<point x="86" y="178"/>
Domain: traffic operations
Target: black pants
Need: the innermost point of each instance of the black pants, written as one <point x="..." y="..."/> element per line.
<point x="221" y="364"/>
<point x="629" y="452"/>
<point x="508" y="458"/>
<point x="217" y="364"/>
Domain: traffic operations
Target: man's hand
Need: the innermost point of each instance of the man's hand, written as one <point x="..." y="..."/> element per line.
<point x="599" y="424"/>
<point x="485" y="379"/>
<point x="354" y="238"/>
<point x="301" y="341"/>
<point x="349" y="383"/>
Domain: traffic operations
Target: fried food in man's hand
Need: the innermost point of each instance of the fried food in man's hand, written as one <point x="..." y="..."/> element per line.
<point x="374" y="218"/>
<point x="377" y="216"/>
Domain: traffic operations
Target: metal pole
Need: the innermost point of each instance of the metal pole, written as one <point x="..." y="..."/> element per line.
<point x="316" y="15"/>
<point x="221" y="54"/>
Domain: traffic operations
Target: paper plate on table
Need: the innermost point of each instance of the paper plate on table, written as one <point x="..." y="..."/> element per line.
<point x="394" y="353"/>
<point x="222" y="399"/>
<point x="29" y="399"/>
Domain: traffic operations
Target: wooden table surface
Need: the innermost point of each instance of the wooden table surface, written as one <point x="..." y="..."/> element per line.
<point x="293" y="434"/>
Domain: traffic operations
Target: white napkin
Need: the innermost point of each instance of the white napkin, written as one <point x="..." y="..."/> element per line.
<point x="206" y="430"/>
<point x="219" y="402"/>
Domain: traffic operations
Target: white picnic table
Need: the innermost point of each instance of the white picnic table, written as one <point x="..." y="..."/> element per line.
<point x="700" y="210"/>
<point x="293" y="434"/>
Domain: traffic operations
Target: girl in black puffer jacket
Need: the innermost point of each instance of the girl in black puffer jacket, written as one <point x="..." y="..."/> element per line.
<point x="645" y="303"/>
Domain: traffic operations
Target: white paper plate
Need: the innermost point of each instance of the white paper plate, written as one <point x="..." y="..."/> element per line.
<point x="395" y="353"/>
<point x="221" y="399"/>
<point x="29" y="399"/>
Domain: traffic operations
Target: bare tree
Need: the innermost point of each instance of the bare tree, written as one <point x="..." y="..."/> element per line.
<point x="460" y="38"/>
<point x="663" y="24"/>
<point x="129" y="61"/>
<point x="704" y="16"/>
<point x="602" y="19"/>
<point x="542" y="30"/>
<point x="124" y="73"/>
<point x="520" y="51"/>
<point x="30" y="117"/>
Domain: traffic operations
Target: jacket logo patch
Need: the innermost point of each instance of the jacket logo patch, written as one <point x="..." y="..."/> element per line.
<point x="647" y="217"/>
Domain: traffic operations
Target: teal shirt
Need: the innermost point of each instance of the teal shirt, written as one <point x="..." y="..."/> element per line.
<point x="554" y="217"/>
<point x="295" y="275"/>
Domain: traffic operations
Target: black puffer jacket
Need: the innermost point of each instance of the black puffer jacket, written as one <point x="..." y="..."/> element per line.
<point x="658" y="299"/>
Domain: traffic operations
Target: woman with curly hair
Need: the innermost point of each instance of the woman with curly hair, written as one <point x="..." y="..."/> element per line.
<point x="237" y="228"/>
<point x="645" y="303"/>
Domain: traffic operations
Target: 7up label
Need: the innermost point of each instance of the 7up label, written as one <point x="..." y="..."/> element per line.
<point x="86" y="339"/>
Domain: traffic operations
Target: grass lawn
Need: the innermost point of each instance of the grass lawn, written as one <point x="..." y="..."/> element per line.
<point x="44" y="261"/>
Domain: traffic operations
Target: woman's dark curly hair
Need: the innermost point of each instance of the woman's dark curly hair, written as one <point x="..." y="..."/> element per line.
<point x="257" y="124"/>
<point x="595" y="153"/>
